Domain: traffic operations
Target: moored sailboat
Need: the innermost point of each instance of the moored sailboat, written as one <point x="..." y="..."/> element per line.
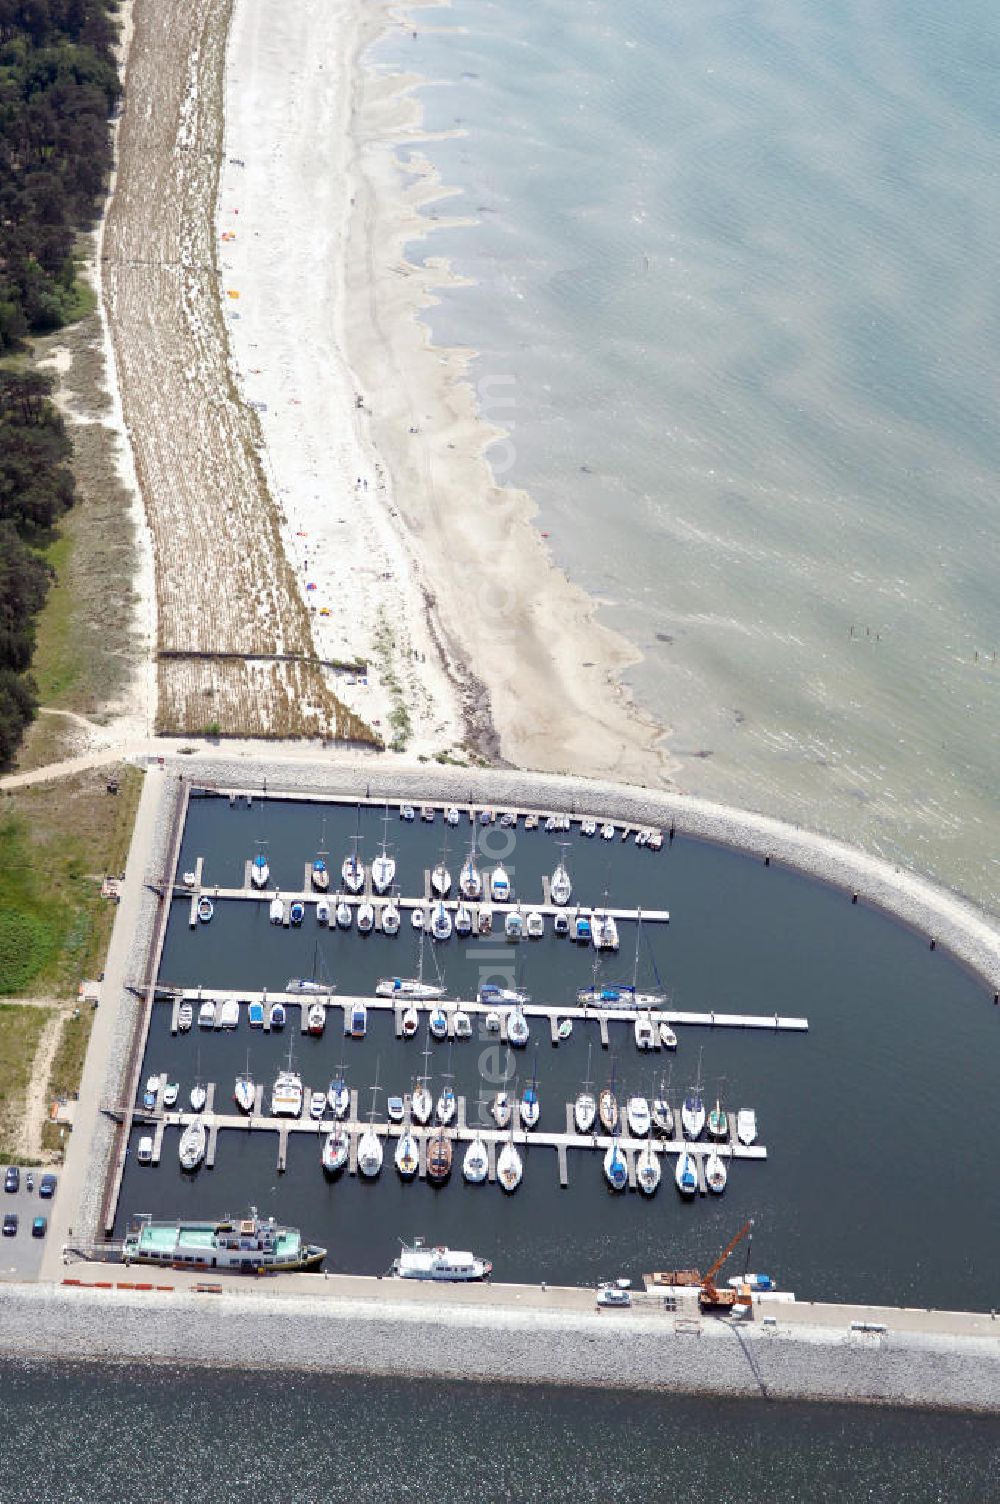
<point x="585" y="1107"/>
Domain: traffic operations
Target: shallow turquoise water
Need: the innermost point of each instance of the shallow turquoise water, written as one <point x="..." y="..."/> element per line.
<point x="735" y="292"/>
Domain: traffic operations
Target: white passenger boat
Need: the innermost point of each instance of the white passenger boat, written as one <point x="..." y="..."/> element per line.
<point x="336" y="1150"/>
<point x="686" y="1175"/>
<point x="185" y="1017"/>
<point x="407" y="1156"/>
<point x="517" y="1029"/>
<point x="535" y="925"/>
<point x="205" y="909"/>
<point x="499" y="885"/>
<point x="746" y="1125"/>
<point x="476" y="1163"/>
<point x="229" y="1014"/>
<point x="637" y="1113"/>
<point x="366" y="918"/>
<point x="615" y="1168"/>
<point x="206" y="1013"/>
<point x="715" y="1173"/>
<point x="390" y="919"/>
<point x="277" y="910"/>
<point x="419" y="1262"/>
<point x="192" y="1146"/>
<point x="648" y="1170"/>
<point x="441" y="922"/>
<point x="241" y="1246"/>
<point x="509" y="1167"/>
<point x="259" y="871"/>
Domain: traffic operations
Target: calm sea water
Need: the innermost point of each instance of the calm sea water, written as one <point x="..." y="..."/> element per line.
<point x="735" y="292"/>
<point x="873" y="1189"/>
<point x="73" y="1434"/>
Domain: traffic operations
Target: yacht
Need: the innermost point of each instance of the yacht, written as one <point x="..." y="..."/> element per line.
<point x="336" y="1150"/>
<point x="144" y="1153"/>
<point x="662" y="1114"/>
<point x="605" y="932"/>
<point x="746" y="1125"/>
<point x="499" y="885"/>
<point x="686" y="1174"/>
<point x="323" y="912"/>
<point x="615" y="1168"/>
<point x="452" y="816"/>
<point x="185" y="1017"/>
<point x="439" y="1156"/>
<point x="407" y="813"/>
<point x="648" y="1170"/>
<point x="476" y="1162"/>
<point x="417" y="918"/>
<point x="441" y="880"/>
<point x="170" y="1094"/>
<point x="668" y="1038"/>
<point x="370" y="1152"/>
<point x="286" y="1094"/>
<point x="411" y="988"/>
<point x="585" y="1107"/>
<point x="259" y="871"/>
<point x="255" y="1014"/>
<point x="560" y="924"/>
<point x="491" y="994"/>
<point x="421" y="1103"/>
<point x="198" y="1097"/>
<point x="637" y="1113"/>
<point x="192" y="1146"/>
<point x="446" y="1105"/>
<point x="240" y="1246"/>
<point x="438" y="1023"/>
<point x="560" y="886"/>
<point x="534" y="925"/>
<point x="352" y="869"/>
<point x="395" y="1107"/>
<point x="607" y="831"/>
<point x="366" y="918"/>
<point x="607" y="1107"/>
<point x="509" y="1167"/>
<point x="715" y="1173"/>
<point x="530" y="1105"/>
<point x="441" y="924"/>
<point x="407" y="1156"/>
<point x="418" y="1262"/>
<point x="582" y="932"/>
<point x="470" y="882"/>
<point x="461" y="1024"/>
<point x="206" y="1013"/>
<point x="517" y="1029"/>
<point x="718" y="1121"/>
<point x="317" y="1105"/>
<point x="484" y="924"/>
<point x="588" y="827"/>
<point x="693" y="1108"/>
<point x="390" y="919"/>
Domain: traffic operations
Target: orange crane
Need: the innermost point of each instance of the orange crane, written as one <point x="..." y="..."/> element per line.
<point x="710" y="1297"/>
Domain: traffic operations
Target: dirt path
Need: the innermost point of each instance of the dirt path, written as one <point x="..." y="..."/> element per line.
<point x="36" y="1102"/>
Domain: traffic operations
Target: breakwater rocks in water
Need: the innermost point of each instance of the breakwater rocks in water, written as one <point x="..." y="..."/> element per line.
<point x="947" y="920"/>
<point x="503" y="1342"/>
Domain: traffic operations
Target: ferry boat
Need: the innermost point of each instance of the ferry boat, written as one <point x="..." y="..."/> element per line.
<point x="419" y="1262"/>
<point x="244" y="1245"/>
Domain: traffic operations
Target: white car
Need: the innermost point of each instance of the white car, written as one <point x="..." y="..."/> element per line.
<point x="613" y="1295"/>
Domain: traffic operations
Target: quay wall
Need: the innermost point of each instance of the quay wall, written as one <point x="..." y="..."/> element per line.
<point x="943" y="917"/>
<point x="500" y="1344"/>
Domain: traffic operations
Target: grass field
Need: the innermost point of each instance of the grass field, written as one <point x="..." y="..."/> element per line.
<point x="20" y="1030"/>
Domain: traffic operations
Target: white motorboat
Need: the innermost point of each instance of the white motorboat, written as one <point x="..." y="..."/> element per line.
<point x="170" y="1094"/>
<point x="286" y="1093"/>
<point x="564" y="1030"/>
<point x="229" y="1014"/>
<point x="205" y="909"/>
<point x="370" y="1153"/>
<point x="637" y="1113"/>
<point x="192" y="1146"/>
<point x="686" y="1175"/>
<point x="344" y="914"/>
<point x="357" y="1025"/>
<point x="438" y="1023"/>
<point x="715" y="1173"/>
<point x="296" y="912"/>
<point x="317" y="1105"/>
<point x="418" y="1262"/>
<point x="417" y="918"/>
<point x="463" y="920"/>
<point x="407" y="812"/>
<point x="492" y="1022"/>
<point x="259" y="871"/>
<point x="605" y="932"/>
<point x="276" y="1015"/>
<point x="144" y="1153"/>
<point x="560" y="924"/>
<point x="662" y="1114"/>
<point x="277" y="910"/>
<point x="668" y="1038"/>
<point x="588" y="827"/>
<point x="560" y="885"/>
<point x="395" y="1107"/>
<point x="476" y="1163"/>
<point x="441" y="923"/>
<point x="607" y="831"/>
<point x="513" y="925"/>
<point x="336" y="1150"/>
<point x="407" y="1156"/>
<point x="517" y="1029"/>
<point x="245" y="1092"/>
<point x="390" y="919"/>
<point x="499" y="885"/>
<point x="615" y="1168"/>
<point x="198" y="1096"/>
<point x="323" y="911"/>
<point x="421" y="1103"/>
<point x="185" y="1017"/>
<point x="485" y="923"/>
<point x="648" y="1170"/>
<point x="411" y="1022"/>
<point x="316" y="1018"/>
<point x="441" y="880"/>
<point x="746" y="1125"/>
<point x="461" y="1024"/>
<point x="366" y="918"/>
<point x="509" y="1167"/>
<point x="470" y="882"/>
<point x="452" y="815"/>
<point x="501" y="1109"/>
<point x="645" y="1033"/>
<point x="206" y="1013"/>
<point x="531" y="822"/>
<point x="427" y="813"/>
<point x="535" y="925"/>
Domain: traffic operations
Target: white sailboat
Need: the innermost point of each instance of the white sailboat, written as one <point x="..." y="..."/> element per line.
<point x="343" y="913"/>
<point x="411" y="988"/>
<point x="337" y="1095"/>
<point x="390" y="918"/>
<point x="693" y="1108"/>
<point x="476" y="1162"/>
<point x="440" y="876"/>
<point x="509" y="1166"/>
<point x="470" y="882"/>
<point x="407" y="1156"/>
<point x="352" y="870"/>
<point x="615" y="1168"/>
<point x="370" y="1152"/>
<point x="560" y="885"/>
<point x="585" y="1106"/>
<point x="686" y="1174"/>
<point x="366" y="917"/>
<point x="530" y="1105"/>
<point x="637" y="1113"/>
<point x="648" y="1170"/>
<point x="517" y="1028"/>
<point x="245" y="1091"/>
<point x="336" y="1150"/>
<point x="441" y="922"/>
<point x="192" y="1146"/>
<point x="384" y="866"/>
<point x="715" y="1173"/>
<point x="422" y="1103"/>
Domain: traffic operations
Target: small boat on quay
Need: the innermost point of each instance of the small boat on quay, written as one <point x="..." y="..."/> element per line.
<point x="615" y="1168"/>
<point x="470" y="882"/>
<point x="316" y="1018"/>
<point x="531" y="822"/>
<point x="255" y="1015"/>
<point x="358" y="1025"/>
<point x="205" y="909"/>
<point x="228" y="1016"/>
<point x="588" y="827"/>
<point x="718" y="1121"/>
<point x="746" y="1125"/>
<point x="410" y="1022"/>
<point x="715" y="1173"/>
<point x="407" y="1156"/>
<point x="366" y="918"/>
<point x="607" y="831"/>
<point x="686" y="1175"/>
<point x="509" y="1167"/>
<point x="439" y="1156"/>
<point x="441" y="923"/>
<point x="296" y="911"/>
<point x="390" y="919"/>
<point x="420" y="1262"/>
<point x="517" y="1029"/>
<point x="336" y="1150"/>
<point x="185" y="1017"/>
<point x="206" y="1013"/>
<point x="476" y="1162"/>
<point x="560" y="885"/>
<point x="499" y="885"/>
<point x="238" y="1246"/>
<point x="259" y="870"/>
<point x="585" y="1107"/>
<point x="276" y="912"/>
<point x="277" y="1016"/>
<point x="194" y="1140"/>
<point x="427" y="813"/>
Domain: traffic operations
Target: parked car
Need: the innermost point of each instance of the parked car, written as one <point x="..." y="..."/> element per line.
<point x="47" y="1187"/>
<point x="38" y="1227"/>
<point x="12" y="1179"/>
<point x="611" y="1295"/>
<point x="10" y="1225"/>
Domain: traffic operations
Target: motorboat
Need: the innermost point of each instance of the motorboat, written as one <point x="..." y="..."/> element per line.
<point x="560" y="885"/>
<point x="319" y="875"/>
<point x="509" y="1167"/>
<point x="366" y="918"/>
<point x="193" y="1143"/>
<point x="317" y="1104"/>
<point x="296" y="911"/>
<point x="277" y="910"/>
<point x="441" y="923"/>
<point x="395" y="1107"/>
<point x="421" y="1103"/>
<point x="607" y="831"/>
<point x="746" y="1125"/>
<point x="338" y="1096"/>
<point x="648" y="1170"/>
<point x="441" y="880"/>
<point x="418" y="1262"/>
<point x="446" y="1105"/>
<point x="605" y="932"/>
<point x="149" y="1095"/>
<point x="607" y="1107"/>
<point x="531" y="822"/>
<point x="407" y="812"/>
<point x="452" y="816"/>
<point x="220" y="1245"/>
<point x="417" y="918"/>
<point x="491" y="993"/>
<point x="245" y="1092"/>
<point x="513" y="925"/>
<point x="491" y="1022"/>
<point x="438" y="1023"/>
<point x="316" y="1018"/>
<point x="564" y="1030"/>
<point x="502" y="1109"/>
<point x="508" y="819"/>
<point x="486" y="817"/>
<point x="461" y="1024"/>
<point x="410" y="1023"/>
<point x="517" y="1029"/>
<point x="336" y="1150"/>
<point x="615" y="1168"/>
<point x="185" y="1017"/>
<point x="427" y="813"/>
<point x="470" y="882"/>
<point x="715" y="1173"/>
<point x="499" y="885"/>
<point x="309" y="987"/>
<point x="485" y="922"/>
<point x="560" y="924"/>
<point x="323" y="912"/>
<point x="686" y="1174"/>
<point x="582" y="931"/>
<point x="718" y="1121"/>
<point x="588" y="827"/>
<point x="277" y="1016"/>
<point x="255" y="1015"/>
<point x="439" y="1157"/>
<point x="476" y="1162"/>
<point x="645" y="1033"/>
<point x="344" y="914"/>
<point x="668" y="1038"/>
<point x="286" y="1094"/>
<point x="358" y="1024"/>
<point x="229" y="1014"/>
<point x="198" y="1097"/>
<point x="170" y="1094"/>
<point x="407" y="1156"/>
<point x="206" y="1013"/>
<point x="390" y="919"/>
<point x="637" y="1113"/>
<point x="463" y="920"/>
<point x="144" y="1152"/>
<point x="534" y="925"/>
<point x="205" y="909"/>
<point x="259" y="871"/>
<point x="370" y="1153"/>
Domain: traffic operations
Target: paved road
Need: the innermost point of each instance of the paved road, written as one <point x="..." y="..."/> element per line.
<point x="21" y="1255"/>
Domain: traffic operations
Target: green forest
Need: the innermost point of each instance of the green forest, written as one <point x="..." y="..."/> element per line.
<point x="58" y="89"/>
